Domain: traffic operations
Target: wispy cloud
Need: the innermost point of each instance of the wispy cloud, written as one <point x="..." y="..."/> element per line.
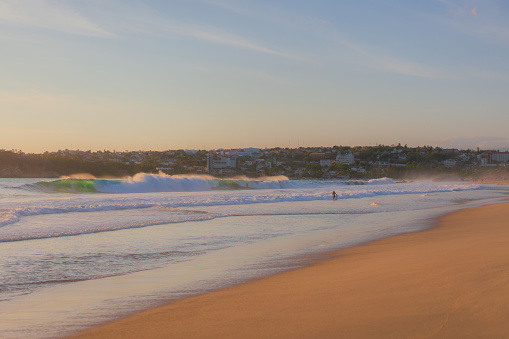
<point x="142" y="19"/>
<point x="490" y="75"/>
<point x="49" y="15"/>
<point x="458" y="8"/>
<point x="399" y="66"/>
<point x="218" y="36"/>
<point x="371" y="57"/>
<point x="122" y="18"/>
<point x="487" y="21"/>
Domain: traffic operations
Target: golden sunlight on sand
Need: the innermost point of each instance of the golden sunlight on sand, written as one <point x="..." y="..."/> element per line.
<point x="448" y="282"/>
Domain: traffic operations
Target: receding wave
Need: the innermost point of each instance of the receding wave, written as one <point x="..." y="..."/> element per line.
<point x="176" y="216"/>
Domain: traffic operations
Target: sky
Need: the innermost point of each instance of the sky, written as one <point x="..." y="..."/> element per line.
<point x="205" y="74"/>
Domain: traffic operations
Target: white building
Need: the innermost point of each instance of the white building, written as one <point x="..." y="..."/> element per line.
<point x="494" y="158"/>
<point x="251" y="152"/>
<point x="221" y="165"/>
<point x="347" y="159"/>
<point x="500" y="157"/>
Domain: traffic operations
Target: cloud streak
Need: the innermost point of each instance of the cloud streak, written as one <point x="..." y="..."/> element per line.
<point x="489" y="22"/>
<point x="488" y="75"/>
<point x="223" y="38"/>
<point x="141" y="19"/>
<point x="49" y="15"/>
<point x="128" y="18"/>
<point x="403" y="67"/>
<point x="369" y="57"/>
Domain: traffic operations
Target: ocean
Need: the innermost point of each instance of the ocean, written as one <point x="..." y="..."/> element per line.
<point x="77" y="252"/>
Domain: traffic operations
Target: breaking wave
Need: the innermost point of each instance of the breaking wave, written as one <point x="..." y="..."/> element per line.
<point x="148" y="183"/>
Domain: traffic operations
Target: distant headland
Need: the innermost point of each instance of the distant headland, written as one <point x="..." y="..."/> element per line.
<point x="338" y="162"/>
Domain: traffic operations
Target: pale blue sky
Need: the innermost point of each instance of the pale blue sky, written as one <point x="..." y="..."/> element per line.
<point x="130" y="75"/>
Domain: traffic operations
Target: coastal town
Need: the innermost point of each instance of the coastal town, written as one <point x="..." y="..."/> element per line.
<point x="338" y="162"/>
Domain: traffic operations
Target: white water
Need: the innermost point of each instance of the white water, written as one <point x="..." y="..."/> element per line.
<point x="127" y="251"/>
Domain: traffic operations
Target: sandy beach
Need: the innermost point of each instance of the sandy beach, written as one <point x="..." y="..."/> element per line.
<point x="451" y="281"/>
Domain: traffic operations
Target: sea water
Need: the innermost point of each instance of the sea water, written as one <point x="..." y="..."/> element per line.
<point x="77" y="252"/>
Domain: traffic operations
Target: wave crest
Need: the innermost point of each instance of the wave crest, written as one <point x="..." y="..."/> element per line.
<point x="149" y="183"/>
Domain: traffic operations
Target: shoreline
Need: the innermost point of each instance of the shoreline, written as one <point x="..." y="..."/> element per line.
<point x="449" y="280"/>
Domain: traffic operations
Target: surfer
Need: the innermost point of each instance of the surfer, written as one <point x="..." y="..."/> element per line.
<point x="334" y="195"/>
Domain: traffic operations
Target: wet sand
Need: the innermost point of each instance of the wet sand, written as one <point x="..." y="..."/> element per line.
<point x="493" y="181"/>
<point x="451" y="281"/>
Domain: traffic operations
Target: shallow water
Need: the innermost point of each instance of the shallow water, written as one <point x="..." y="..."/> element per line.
<point x="72" y="260"/>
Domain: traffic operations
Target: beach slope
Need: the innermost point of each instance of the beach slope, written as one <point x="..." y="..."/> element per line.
<point x="451" y="281"/>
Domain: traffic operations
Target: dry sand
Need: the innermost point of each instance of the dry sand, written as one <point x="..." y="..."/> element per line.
<point x="448" y="282"/>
